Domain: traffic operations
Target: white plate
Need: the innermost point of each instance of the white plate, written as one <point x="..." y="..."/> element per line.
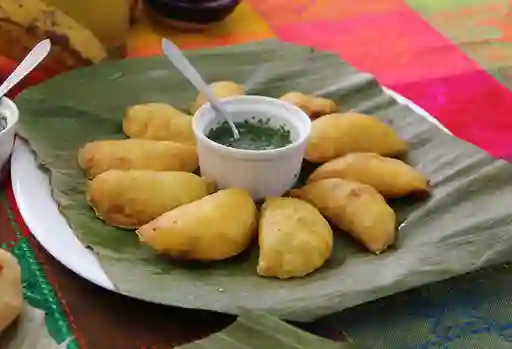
<point x="41" y="214"/>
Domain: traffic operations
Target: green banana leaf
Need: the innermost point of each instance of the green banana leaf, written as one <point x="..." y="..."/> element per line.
<point x="465" y="225"/>
<point x="258" y="331"/>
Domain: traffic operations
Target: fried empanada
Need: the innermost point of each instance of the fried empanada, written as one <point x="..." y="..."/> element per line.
<point x="391" y="177"/>
<point x="313" y="106"/>
<point x="294" y="238"/>
<point x="321" y="106"/>
<point x="220" y="89"/>
<point x="130" y="199"/>
<point x="335" y="135"/>
<point x="218" y="226"/>
<point x="298" y="99"/>
<point x="355" y="208"/>
<point x="11" y="291"/>
<point x="136" y="154"/>
<point x="159" y="122"/>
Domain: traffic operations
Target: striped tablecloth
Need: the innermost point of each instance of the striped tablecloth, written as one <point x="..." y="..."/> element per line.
<point x="451" y="57"/>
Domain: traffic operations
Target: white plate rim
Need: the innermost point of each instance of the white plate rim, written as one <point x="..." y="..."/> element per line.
<point x="41" y="214"/>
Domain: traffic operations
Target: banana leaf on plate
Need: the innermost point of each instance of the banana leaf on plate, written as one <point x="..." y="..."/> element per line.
<point x="255" y="331"/>
<point x="466" y="223"/>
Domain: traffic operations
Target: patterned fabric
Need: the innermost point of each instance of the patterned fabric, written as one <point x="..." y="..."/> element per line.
<point x="443" y="55"/>
<point x="452" y="57"/>
<point x="38" y="291"/>
<point x="472" y="311"/>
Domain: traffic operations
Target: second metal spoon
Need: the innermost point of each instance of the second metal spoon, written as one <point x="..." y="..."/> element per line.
<point x="32" y="60"/>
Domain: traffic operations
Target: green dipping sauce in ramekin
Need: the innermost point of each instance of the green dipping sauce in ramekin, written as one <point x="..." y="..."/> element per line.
<point x="255" y="134"/>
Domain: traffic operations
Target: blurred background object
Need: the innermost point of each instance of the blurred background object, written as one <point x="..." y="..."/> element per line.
<point x="190" y="14"/>
<point x="108" y="20"/>
<point x="85" y="32"/>
<point x="23" y="23"/>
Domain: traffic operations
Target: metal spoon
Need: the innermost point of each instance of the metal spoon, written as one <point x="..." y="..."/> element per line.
<point x="32" y="60"/>
<point x="181" y="63"/>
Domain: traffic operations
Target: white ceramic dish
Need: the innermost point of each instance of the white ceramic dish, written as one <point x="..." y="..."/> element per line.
<point x="9" y="111"/>
<point x="262" y="173"/>
<point x="41" y="214"/>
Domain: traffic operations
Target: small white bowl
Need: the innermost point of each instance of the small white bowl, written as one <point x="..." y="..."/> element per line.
<point x="8" y="110"/>
<point x="261" y="172"/>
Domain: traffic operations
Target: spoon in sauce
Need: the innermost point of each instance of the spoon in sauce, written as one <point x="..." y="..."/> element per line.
<point x="32" y="60"/>
<point x="176" y="56"/>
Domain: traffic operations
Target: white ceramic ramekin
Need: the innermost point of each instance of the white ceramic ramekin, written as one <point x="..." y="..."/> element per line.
<point x="261" y="172"/>
<point x="8" y="110"/>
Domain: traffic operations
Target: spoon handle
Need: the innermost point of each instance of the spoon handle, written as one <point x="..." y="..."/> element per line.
<point x="176" y="56"/>
<point x="38" y="53"/>
<point x="183" y="65"/>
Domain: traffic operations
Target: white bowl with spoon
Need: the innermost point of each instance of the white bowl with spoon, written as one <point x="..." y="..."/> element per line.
<point x="257" y="144"/>
<point x="267" y="169"/>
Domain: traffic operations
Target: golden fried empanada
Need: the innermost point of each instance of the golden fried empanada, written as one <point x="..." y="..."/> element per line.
<point x="313" y="106"/>
<point x="335" y="135"/>
<point x="220" y="89"/>
<point x="321" y="106"/>
<point x="298" y="99"/>
<point x="294" y="238"/>
<point x="355" y="208"/>
<point x="391" y="177"/>
<point x="136" y="154"/>
<point x="218" y="226"/>
<point x="11" y="292"/>
<point x="130" y="199"/>
<point x="159" y="122"/>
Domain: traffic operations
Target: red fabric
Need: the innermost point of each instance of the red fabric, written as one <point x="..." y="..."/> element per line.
<point x="408" y="55"/>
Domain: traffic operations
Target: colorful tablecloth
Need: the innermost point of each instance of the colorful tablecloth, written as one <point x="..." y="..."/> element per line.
<point x="452" y="57"/>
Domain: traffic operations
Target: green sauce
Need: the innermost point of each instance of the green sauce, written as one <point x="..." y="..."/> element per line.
<point x="254" y="135"/>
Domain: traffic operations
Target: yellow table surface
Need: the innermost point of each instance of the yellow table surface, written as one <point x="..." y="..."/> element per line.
<point x="244" y="25"/>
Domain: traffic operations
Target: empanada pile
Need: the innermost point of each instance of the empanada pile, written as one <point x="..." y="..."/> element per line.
<point x="147" y="183"/>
